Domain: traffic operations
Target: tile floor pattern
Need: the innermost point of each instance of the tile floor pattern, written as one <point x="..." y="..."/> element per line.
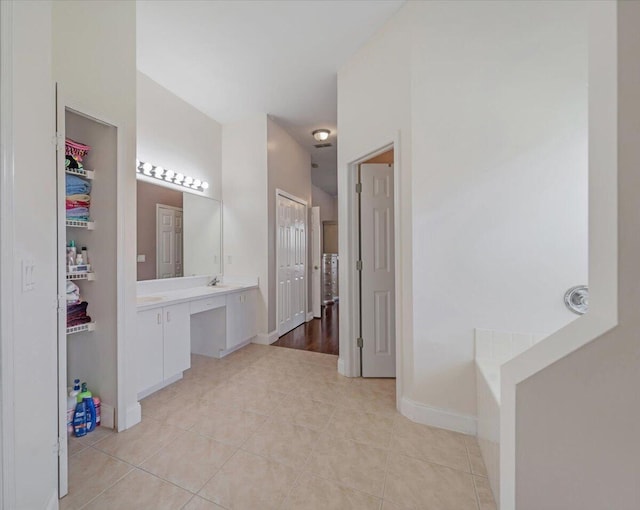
<point x="275" y="428"/>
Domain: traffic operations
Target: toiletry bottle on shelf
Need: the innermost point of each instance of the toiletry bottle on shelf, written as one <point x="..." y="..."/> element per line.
<point x="90" y="413"/>
<point x="80" y="420"/>
<point x="96" y="403"/>
<point x="85" y="255"/>
<point x="84" y="393"/>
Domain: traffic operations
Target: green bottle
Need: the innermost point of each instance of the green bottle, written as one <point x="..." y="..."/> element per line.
<point x="84" y="393"/>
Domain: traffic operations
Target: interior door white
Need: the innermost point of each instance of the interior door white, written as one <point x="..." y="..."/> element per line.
<point x="291" y="257"/>
<point x="316" y="273"/>
<point x="63" y="458"/>
<point x="168" y="241"/>
<point x="378" y="271"/>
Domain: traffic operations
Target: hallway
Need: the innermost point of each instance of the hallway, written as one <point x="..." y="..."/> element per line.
<point x="318" y="335"/>
<point x="269" y="428"/>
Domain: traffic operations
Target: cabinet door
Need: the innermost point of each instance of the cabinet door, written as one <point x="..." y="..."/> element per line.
<point x="249" y="313"/>
<point x="177" y="339"/>
<point x="234" y="319"/>
<point x="149" y="350"/>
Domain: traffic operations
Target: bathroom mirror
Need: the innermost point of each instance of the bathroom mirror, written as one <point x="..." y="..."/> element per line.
<point x="179" y="233"/>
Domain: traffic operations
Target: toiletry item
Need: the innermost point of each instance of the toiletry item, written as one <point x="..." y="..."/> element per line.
<point x="80" y="420"/>
<point x="84" y="393"/>
<point x="90" y="413"/>
<point x="71" y="408"/>
<point x="71" y="254"/>
<point x="76" y="388"/>
<point x="79" y="259"/>
<point x="85" y="255"/>
<point x="96" y="403"/>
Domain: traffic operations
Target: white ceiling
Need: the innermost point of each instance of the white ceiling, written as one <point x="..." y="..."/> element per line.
<point x="233" y="59"/>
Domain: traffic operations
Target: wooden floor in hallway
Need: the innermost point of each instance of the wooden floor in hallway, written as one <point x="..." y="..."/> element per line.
<point x="318" y="335"/>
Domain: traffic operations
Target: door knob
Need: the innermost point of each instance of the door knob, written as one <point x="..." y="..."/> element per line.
<point x="315" y="267"/>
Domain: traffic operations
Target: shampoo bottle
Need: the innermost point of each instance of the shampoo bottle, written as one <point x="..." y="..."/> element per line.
<point x="80" y="420"/>
<point x="84" y="393"/>
<point x="90" y="414"/>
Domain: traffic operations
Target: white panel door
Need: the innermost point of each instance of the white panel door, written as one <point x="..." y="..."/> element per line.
<point x="166" y="242"/>
<point x="178" y="237"/>
<point x="316" y="273"/>
<point x="291" y="258"/>
<point x="378" y="271"/>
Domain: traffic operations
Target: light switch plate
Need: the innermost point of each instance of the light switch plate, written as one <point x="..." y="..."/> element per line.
<point x="142" y="258"/>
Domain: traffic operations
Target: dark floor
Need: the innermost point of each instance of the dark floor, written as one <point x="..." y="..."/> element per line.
<point x="318" y="335"/>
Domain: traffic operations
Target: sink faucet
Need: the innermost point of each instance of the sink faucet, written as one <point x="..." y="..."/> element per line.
<point x="214" y="282"/>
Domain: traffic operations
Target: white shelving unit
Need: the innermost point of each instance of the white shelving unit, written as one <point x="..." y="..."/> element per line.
<point x="81" y="172"/>
<point x="89" y="326"/>
<point x="82" y="276"/>
<point x="89" y="225"/>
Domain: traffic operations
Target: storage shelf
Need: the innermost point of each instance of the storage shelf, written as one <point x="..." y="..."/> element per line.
<point x="81" y="276"/>
<point x="89" y="326"/>
<point x="80" y="172"/>
<point x="89" y="225"/>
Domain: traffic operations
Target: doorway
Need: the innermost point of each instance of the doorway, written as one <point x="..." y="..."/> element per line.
<point x="376" y="270"/>
<point x="291" y="261"/>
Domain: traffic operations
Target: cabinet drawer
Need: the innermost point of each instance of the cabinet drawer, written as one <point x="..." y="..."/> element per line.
<point x="209" y="303"/>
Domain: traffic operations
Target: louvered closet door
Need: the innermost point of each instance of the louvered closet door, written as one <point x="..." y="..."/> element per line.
<point x="291" y="246"/>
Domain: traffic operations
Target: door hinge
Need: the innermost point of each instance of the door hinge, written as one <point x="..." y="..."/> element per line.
<point x="57" y="447"/>
<point x="358" y="187"/>
<point x="59" y="142"/>
<point x="359" y="342"/>
<point x="358" y="265"/>
<point x="62" y="303"/>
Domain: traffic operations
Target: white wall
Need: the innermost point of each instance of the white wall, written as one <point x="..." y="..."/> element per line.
<point x="175" y="135"/>
<point x="488" y="101"/>
<point x="328" y="204"/>
<point x="95" y="65"/>
<point x="289" y="169"/>
<point x="244" y="190"/>
<point x="577" y="420"/>
<point x="34" y="341"/>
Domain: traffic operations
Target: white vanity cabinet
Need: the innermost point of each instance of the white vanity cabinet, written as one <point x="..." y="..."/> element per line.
<point x="241" y="317"/>
<point x="163" y="348"/>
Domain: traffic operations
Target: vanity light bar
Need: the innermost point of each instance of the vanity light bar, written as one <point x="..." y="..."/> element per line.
<point x="170" y="176"/>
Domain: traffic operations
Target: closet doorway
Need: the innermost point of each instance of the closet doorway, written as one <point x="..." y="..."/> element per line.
<point x="291" y="261"/>
<point x="169" y="241"/>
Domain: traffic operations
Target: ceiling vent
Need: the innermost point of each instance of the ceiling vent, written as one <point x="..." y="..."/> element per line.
<point x="322" y="145"/>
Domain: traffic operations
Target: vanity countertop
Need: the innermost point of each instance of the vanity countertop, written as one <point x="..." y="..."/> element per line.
<point x="171" y="297"/>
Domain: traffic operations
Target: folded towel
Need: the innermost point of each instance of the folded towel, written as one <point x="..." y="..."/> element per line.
<point x="77" y="149"/>
<point x="73" y="294"/>
<point x="76" y="185"/>
<point x="78" y="213"/>
<point x="77" y="322"/>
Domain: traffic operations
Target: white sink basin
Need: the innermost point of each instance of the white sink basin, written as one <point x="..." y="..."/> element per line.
<point x="149" y="299"/>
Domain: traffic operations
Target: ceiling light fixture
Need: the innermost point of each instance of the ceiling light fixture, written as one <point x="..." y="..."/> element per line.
<point x="321" y="134"/>
<point x="149" y="170"/>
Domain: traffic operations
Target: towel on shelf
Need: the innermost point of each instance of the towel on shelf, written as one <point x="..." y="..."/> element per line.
<point x="78" y="214"/>
<point x="77" y="314"/>
<point x="73" y="201"/>
<point x="73" y="163"/>
<point x="73" y="294"/>
<point x="76" y="149"/>
<point x="75" y="185"/>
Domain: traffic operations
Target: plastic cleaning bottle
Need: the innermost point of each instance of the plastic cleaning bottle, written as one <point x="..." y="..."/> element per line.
<point x="90" y="414"/>
<point x="96" y="403"/>
<point x="80" y="420"/>
<point x="84" y="393"/>
<point x="71" y="409"/>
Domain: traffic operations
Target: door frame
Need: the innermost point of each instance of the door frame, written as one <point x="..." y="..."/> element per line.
<point x="7" y="374"/>
<point x="316" y="274"/>
<point x="282" y="193"/>
<point x="349" y="362"/>
<point x="158" y="206"/>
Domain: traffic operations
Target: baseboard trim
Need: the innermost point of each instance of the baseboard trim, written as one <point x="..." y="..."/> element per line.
<point x="341" y="370"/>
<point x="134" y="415"/>
<point x="265" y="339"/>
<point x="310" y="316"/>
<point x="440" y="418"/>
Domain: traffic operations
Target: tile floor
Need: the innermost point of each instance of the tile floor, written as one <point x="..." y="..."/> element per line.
<point x="275" y="428"/>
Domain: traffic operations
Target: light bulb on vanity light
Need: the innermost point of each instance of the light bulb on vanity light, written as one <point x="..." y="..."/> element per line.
<point x="158" y="172"/>
<point x="146" y="168"/>
<point x="168" y="175"/>
<point x="178" y="179"/>
<point x="187" y="181"/>
<point x="196" y="184"/>
<point x="205" y="185"/>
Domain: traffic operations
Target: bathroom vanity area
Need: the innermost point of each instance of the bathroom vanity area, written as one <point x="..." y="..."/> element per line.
<point x="178" y="316"/>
